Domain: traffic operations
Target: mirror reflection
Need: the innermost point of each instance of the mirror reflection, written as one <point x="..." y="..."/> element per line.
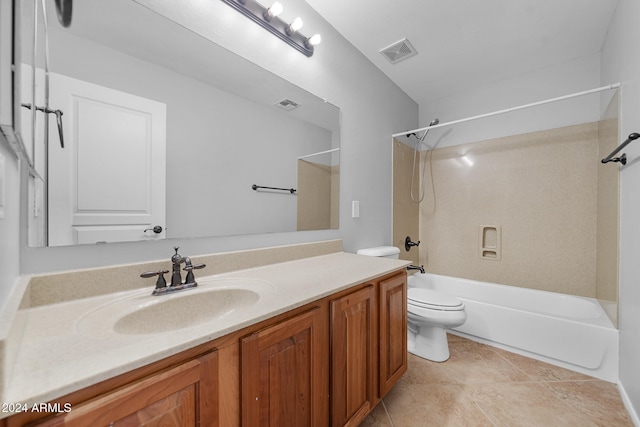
<point x="165" y="134"/>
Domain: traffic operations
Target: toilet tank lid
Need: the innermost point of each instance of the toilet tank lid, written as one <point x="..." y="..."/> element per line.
<point x="379" y="251"/>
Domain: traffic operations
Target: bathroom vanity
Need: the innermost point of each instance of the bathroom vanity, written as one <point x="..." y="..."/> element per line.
<point x="327" y="332"/>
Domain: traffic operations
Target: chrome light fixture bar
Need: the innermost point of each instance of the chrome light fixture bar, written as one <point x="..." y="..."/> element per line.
<point x="267" y="17"/>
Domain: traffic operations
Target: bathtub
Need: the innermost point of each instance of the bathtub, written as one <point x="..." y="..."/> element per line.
<point x="564" y="330"/>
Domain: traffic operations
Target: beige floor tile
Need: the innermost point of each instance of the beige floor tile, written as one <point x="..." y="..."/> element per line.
<point x="485" y="386"/>
<point x="438" y="405"/>
<point x="377" y="418"/>
<point x="472" y="363"/>
<point x="598" y="400"/>
<point x="540" y="371"/>
<point x="524" y="404"/>
<point x="422" y="371"/>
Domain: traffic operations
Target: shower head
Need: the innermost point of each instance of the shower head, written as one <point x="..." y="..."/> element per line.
<point x="420" y="139"/>
<point x="433" y="123"/>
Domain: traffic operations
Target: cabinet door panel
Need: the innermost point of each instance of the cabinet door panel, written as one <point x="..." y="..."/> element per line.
<point x="281" y="367"/>
<point x="352" y="333"/>
<point x="176" y="397"/>
<point x="393" y="331"/>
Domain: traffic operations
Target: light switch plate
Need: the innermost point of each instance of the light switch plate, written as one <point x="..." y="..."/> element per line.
<point x="355" y="209"/>
<point x="3" y="179"/>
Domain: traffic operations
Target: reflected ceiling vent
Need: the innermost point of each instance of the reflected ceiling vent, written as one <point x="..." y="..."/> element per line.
<point x="399" y="51"/>
<point x="287" y="105"/>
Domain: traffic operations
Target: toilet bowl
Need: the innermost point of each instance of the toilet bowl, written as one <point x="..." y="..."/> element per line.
<point x="429" y="313"/>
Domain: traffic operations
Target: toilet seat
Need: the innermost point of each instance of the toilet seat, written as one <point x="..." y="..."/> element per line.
<point x="433" y="300"/>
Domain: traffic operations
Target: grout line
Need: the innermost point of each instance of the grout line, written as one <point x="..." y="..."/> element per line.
<point x="540" y="380"/>
<point x="387" y="412"/>
<point x="533" y="379"/>
<point x="484" y="413"/>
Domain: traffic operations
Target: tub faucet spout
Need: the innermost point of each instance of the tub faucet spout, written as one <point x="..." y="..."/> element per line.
<point x="420" y="268"/>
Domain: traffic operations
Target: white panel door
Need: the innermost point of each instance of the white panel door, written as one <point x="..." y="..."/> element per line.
<point x="108" y="183"/>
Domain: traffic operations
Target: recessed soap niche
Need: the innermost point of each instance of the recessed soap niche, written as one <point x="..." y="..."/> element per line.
<point x="490" y="237"/>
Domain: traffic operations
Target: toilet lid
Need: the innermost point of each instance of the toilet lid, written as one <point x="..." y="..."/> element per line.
<point x="432" y="299"/>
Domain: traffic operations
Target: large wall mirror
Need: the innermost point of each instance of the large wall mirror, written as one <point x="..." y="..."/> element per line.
<point x="162" y="128"/>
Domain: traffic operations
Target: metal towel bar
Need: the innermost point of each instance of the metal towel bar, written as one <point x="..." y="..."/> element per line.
<point x="290" y="190"/>
<point x="622" y="159"/>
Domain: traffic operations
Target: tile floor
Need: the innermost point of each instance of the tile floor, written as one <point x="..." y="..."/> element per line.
<point x="486" y="386"/>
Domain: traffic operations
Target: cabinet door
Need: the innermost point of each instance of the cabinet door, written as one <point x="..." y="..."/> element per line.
<point x="393" y="331"/>
<point x="352" y="344"/>
<point x="176" y="397"/>
<point x="284" y="374"/>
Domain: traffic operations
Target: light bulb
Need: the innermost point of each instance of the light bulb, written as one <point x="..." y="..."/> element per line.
<point x="275" y="10"/>
<point x="314" y="40"/>
<point x="295" y="26"/>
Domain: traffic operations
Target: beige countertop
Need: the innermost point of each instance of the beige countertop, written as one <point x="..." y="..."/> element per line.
<point x="66" y="346"/>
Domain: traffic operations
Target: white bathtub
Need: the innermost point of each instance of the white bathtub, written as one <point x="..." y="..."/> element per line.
<point x="565" y="330"/>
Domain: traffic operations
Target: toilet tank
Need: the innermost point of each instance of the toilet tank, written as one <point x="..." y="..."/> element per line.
<point x="381" y="251"/>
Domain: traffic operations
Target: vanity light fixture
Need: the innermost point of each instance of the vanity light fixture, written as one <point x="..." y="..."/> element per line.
<point x="275" y="10"/>
<point x="267" y="17"/>
<point x="314" y="40"/>
<point x="295" y="26"/>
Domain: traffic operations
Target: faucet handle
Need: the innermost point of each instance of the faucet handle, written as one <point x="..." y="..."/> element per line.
<point x="408" y="243"/>
<point x="161" y="282"/>
<point x="189" y="269"/>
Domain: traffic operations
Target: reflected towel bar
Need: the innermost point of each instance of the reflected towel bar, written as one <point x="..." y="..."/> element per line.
<point x="290" y="190"/>
<point x="622" y="159"/>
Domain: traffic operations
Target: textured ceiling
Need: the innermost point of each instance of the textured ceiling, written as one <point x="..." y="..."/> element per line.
<point x="464" y="44"/>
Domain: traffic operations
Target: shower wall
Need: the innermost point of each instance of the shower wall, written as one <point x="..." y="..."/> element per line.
<point x="405" y="211"/>
<point x="608" y="222"/>
<point x="521" y="210"/>
<point x="317" y="196"/>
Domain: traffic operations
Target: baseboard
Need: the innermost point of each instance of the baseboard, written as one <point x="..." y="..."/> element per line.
<point x="627" y="404"/>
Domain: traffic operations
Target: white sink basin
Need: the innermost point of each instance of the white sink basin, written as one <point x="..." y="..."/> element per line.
<point x="143" y="314"/>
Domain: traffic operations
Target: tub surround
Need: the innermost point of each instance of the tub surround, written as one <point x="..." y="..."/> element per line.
<point x="557" y="218"/>
<point x="46" y="355"/>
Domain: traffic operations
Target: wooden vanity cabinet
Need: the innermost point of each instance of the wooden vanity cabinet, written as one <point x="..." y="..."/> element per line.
<point x="393" y="332"/>
<point x="352" y="356"/>
<point x="284" y="369"/>
<point x="368" y="347"/>
<point x="182" y="396"/>
<point x="327" y="363"/>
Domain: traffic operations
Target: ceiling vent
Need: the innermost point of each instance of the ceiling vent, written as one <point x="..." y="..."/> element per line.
<point x="287" y="105"/>
<point x="399" y="51"/>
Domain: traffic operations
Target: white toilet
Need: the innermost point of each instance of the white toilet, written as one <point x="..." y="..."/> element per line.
<point x="430" y="313"/>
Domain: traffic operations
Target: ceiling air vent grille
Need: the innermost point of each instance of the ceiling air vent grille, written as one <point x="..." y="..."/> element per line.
<point x="399" y="51"/>
<point x="287" y="105"/>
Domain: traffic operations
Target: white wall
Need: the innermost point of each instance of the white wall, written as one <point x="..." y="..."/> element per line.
<point x="620" y="61"/>
<point x="372" y="108"/>
<point x="9" y="235"/>
<point x="562" y="79"/>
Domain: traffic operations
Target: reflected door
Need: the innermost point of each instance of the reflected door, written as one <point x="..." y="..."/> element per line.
<point x="108" y="182"/>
